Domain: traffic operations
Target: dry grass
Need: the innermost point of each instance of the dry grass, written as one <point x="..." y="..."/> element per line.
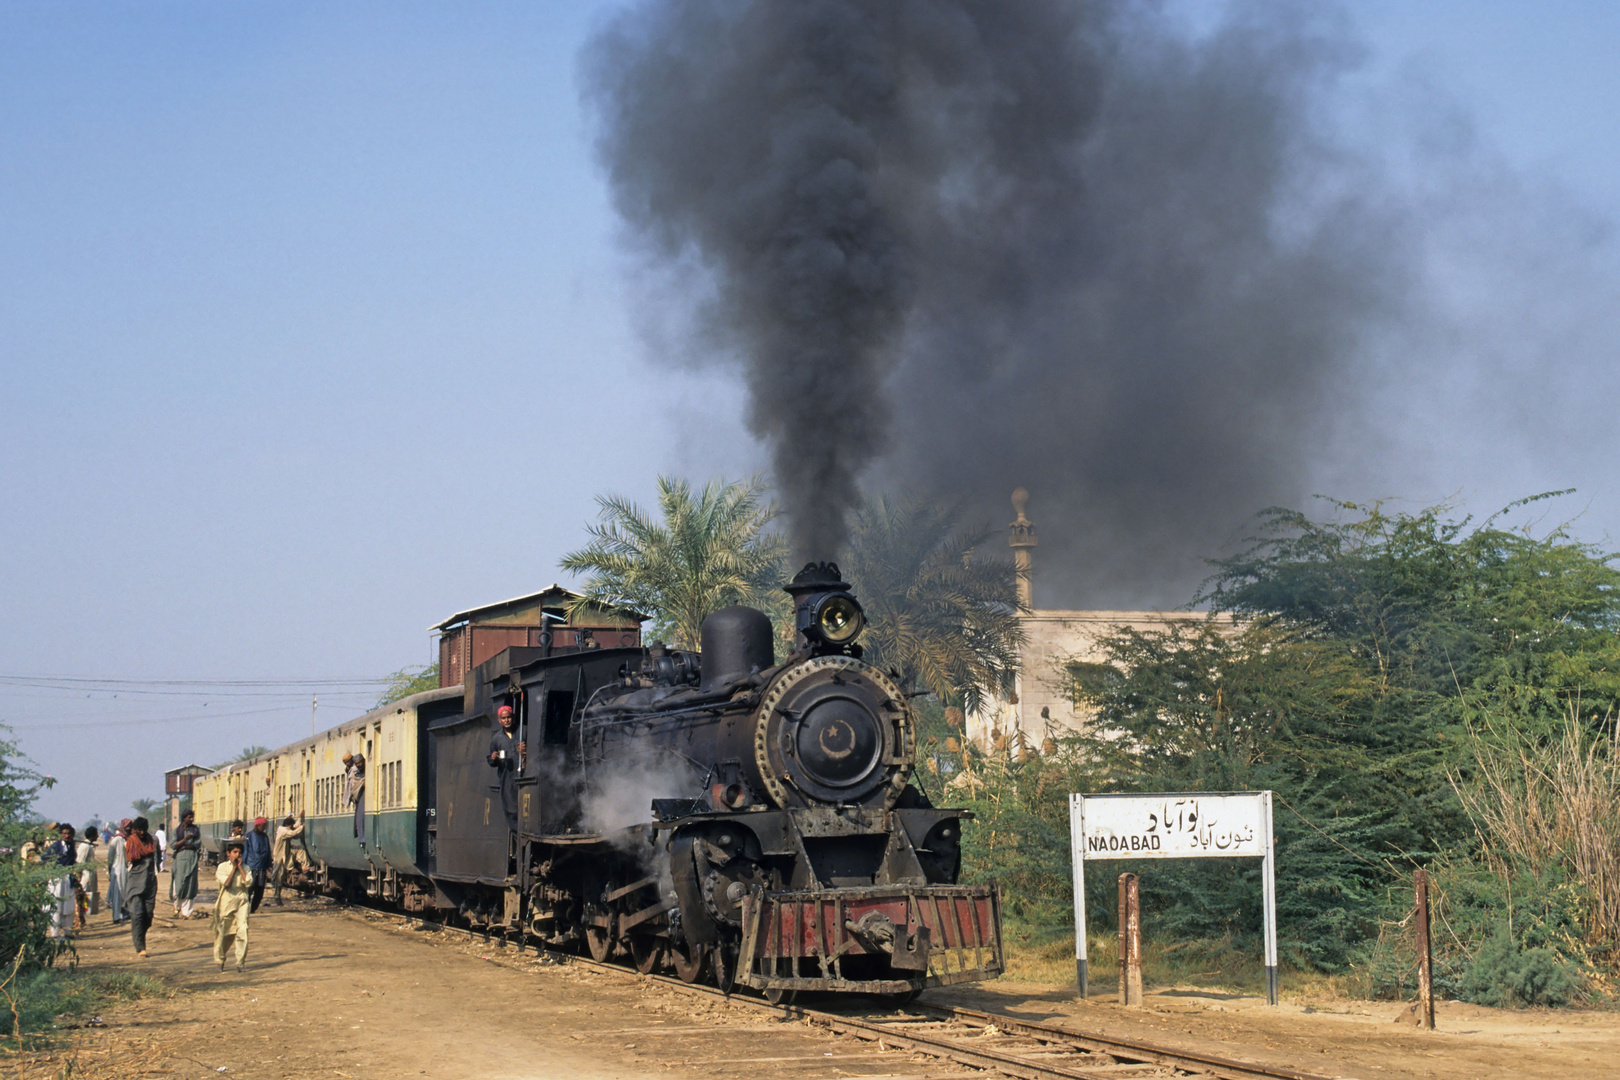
<point x="1554" y="804"/>
<point x="1036" y="957"/>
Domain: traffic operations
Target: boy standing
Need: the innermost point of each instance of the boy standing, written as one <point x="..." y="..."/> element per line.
<point x="231" y="909"/>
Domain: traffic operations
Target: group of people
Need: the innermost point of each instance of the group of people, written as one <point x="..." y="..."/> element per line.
<point x="250" y="862"/>
<point x="132" y="869"/>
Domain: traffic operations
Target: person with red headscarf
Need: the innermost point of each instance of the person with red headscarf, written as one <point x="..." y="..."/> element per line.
<point x="506" y="756"/>
<point x="140" y="899"/>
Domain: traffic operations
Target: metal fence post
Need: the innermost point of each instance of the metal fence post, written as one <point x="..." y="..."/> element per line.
<point x="1420" y="885"/>
<point x="1130" y="940"/>
<point x="1077" y="831"/>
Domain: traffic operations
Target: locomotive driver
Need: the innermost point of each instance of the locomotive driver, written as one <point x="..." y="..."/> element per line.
<point x="507" y="756"/>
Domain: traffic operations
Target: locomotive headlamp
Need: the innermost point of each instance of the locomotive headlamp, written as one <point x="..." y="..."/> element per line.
<point x="825" y="613"/>
<point x="839" y="619"/>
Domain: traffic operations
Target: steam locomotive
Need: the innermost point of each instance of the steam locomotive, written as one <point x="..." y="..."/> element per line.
<point x="719" y="812"/>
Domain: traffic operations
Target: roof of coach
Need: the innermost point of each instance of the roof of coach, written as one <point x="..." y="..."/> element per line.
<point x="415" y="701"/>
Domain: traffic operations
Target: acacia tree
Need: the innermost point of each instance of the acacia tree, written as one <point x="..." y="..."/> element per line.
<point x="938" y="610"/>
<point x="1446" y="614"/>
<point x="703" y="551"/>
<point x="407" y="681"/>
<point x="23" y="907"/>
<point x="1385" y="671"/>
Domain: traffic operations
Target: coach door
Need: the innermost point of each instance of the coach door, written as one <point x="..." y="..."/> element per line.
<point x="528" y="782"/>
<point x="469" y="830"/>
<point x="374" y="788"/>
<point x="555" y="717"/>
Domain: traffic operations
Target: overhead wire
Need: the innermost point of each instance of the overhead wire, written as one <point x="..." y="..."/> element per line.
<point x="344" y="693"/>
<point x="53" y="725"/>
<point x="323" y="681"/>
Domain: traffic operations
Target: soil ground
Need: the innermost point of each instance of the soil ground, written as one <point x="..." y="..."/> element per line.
<point x="332" y="992"/>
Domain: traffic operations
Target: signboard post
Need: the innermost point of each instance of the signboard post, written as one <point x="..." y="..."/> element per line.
<point x="1185" y="826"/>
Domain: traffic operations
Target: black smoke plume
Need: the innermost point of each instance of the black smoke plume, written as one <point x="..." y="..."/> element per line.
<point x="961" y="246"/>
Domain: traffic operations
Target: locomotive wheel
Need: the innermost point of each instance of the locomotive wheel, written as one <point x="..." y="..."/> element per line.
<point x="777" y="996"/>
<point x="646" y="952"/>
<point x="598" y="942"/>
<point x="688" y="960"/>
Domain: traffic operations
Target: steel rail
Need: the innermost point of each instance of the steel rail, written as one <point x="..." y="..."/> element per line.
<point x="904" y="1029"/>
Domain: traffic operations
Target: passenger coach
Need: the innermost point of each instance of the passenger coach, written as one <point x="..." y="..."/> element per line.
<point x="307" y="778"/>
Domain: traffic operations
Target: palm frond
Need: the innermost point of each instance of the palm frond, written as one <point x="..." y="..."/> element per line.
<point x="940" y="612"/>
<point x="703" y="550"/>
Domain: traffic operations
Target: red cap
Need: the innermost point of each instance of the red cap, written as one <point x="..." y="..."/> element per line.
<point x="504" y="710"/>
<point x="261" y="821"/>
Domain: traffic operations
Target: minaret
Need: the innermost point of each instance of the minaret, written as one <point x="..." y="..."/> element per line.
<point x="1023" y="541"/>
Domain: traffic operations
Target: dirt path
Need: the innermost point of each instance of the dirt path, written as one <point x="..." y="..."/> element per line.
<point x="1333" y="1037"/>
<point x="341" y="993"/>
<point x="334" y="993"/>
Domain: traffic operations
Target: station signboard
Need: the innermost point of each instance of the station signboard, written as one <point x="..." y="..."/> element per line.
<point x="1173" y="826"/>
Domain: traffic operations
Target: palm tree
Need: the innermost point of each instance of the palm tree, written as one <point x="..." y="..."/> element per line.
<point x="937" y="611"/>
<point x="706" y="551"/>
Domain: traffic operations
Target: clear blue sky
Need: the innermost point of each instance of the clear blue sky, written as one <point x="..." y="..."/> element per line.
<point x="314" y="329"/>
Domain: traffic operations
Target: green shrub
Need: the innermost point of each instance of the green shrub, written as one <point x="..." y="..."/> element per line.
<point x="24" y="911"/>
<point x="25" y="916"/>
<point x="1504" y="975"/>
<point x="1505" y="941"/>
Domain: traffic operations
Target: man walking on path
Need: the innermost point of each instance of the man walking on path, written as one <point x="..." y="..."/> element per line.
<point x="286" y="833"/>
<point x="140" y="897"/>
<point x="62" y="852"/>
<point x="256" y="858"/>
<point x="183" y="878"/>
<point x="233" y="906"/>
<point x="89" y="890"/>
<point x="117" y="872"/>
<point x="161" y="838"/>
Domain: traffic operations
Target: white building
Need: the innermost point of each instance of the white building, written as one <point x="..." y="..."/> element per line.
<point x="1042" y="707"/>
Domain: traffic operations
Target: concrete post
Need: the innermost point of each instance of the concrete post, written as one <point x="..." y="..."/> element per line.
<point x="1130" y="941"/>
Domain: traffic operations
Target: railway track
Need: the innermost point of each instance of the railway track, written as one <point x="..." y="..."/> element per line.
<point x="984" y="1044"/>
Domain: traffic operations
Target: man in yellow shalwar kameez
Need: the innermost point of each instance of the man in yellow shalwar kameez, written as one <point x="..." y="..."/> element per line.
<point x="231" y="909"/>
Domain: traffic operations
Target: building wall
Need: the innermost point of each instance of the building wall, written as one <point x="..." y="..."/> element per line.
<point x="481" y="633"/>
<point x="1053" y="640"/>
